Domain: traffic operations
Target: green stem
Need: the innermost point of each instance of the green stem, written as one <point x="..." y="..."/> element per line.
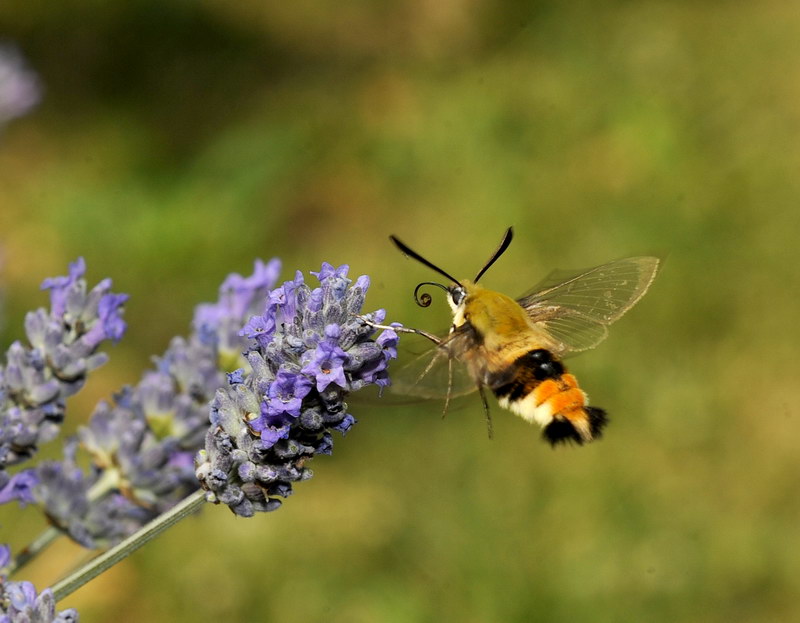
<point x="33" y="549"/>
<point x="124" y="549"/>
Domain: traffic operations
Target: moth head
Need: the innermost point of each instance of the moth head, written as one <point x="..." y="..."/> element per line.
<point x="457" y="294"/>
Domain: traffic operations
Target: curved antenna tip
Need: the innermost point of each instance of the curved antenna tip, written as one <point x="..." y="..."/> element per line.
<point x="507" y="236"/>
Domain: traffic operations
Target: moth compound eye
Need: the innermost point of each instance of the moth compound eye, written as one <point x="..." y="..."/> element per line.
<point x="457" y="294"/>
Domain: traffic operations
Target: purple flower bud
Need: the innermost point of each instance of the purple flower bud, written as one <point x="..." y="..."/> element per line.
<point x="329" y="272"/>
<point x="325" y="445"/>
<point x="270" y="435"/>
<point x="236" y="377"/>
<point x="292" y="293"/>
<point x="109" y="311"/>
<point x="315" y="300"/>
<point x="388" y="341"/>
<point x="21" y="595"/>
<point x="346" y="424"/>
<point x="239" y="293"/>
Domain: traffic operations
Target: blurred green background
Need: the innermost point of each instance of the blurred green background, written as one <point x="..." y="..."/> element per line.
<point x="179" y="140"/>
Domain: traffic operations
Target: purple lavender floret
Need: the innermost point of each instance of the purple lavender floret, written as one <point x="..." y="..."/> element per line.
<point x="284" y="398"/>
<point x="325" y="363"/>
<point x="38" y="377"/>
<point x="219" y="324"/>
<point x="20" y="89"/>
<point x="19" y="602"/>
<point x="143" y="443"/>
<point x="19" y="487"/>
<point x="308" y="350"/>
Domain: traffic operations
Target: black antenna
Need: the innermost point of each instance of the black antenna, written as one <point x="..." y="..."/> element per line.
<point x="407" y="251"/>
<point x="500" y="250"/>
<point x="424" y="299"/>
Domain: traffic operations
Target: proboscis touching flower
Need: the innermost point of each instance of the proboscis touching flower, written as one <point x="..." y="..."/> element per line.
<point x="308" y="350"/>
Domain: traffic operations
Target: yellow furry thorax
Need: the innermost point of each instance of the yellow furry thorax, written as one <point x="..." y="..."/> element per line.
<point x="497" y="317"/>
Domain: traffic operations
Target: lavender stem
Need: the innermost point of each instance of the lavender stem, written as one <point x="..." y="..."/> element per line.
<point x="34" y="549"/>
<point x="125" y="548"/>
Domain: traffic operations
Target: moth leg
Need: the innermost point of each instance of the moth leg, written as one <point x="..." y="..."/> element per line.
<point x="486" y="411"/>
<point x="436" y="340"/>
<point x="449" y="385"/>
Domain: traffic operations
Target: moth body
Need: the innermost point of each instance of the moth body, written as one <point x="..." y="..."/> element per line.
<point x="505" y="351"/>
<point x="515" y="347"/>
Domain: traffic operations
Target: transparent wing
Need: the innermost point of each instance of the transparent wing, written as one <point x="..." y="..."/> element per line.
<point x="575" y="309"/>
<point x="433" y="373"/>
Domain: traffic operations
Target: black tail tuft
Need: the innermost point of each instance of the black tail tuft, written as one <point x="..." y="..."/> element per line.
<point x="561" y="430"/>
<point x="598" y="419"/>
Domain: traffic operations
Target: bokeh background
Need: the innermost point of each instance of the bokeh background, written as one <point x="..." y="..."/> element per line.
<point x="178" y="140"/>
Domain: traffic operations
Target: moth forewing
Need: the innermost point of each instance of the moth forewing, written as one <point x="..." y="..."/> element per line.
<point x="602" y="292"/>
<point x="576" y="308"/>
<point x="570" y="333"/>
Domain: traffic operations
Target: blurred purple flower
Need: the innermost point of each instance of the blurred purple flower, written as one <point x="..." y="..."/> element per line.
<point x="21" y="604"/>
<point x="20" y="88"/>
<point x="59" y="286"/>
<point x="65" y="494"/>
<point x="5" y="558"/>
<point x="37" y="378"/>
<point x="220" y="324"/>
<point x="142" y="444"/>
<point x="19" y="488"/>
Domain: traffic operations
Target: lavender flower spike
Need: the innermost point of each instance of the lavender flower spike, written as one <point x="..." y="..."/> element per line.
<point x="143" y="443"/>
<point x="308" y="350"/>
<point x="38" y="377"/>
